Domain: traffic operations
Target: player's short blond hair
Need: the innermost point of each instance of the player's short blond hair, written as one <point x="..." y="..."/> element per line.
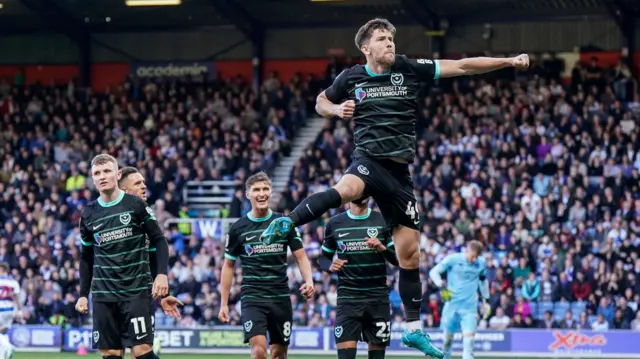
<point x="476" y="246"/>
<point x="255" y="178"/>
<point x="366" y="31"/>
<point x="102" y="159"/>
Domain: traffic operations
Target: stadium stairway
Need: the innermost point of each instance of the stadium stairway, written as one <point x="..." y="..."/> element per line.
<point x="306" y="135"/>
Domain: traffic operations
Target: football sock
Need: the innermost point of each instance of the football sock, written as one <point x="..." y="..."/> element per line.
<point x="149" y="355"/>
<point x="448" y="344"/>
<point x="411" y="295"/>
<point x="314" y="206"/>
<point x="349" y="353"/>
<point x="376" y="354"/>
<point x="467" y="347"/>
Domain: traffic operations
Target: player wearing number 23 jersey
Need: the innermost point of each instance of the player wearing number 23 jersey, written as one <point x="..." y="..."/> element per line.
<point x="363" y="294"/>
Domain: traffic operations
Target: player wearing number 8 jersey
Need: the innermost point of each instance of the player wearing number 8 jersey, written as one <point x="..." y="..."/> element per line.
<point x="363" y="246"/>
<point x="266" y="305"/>
<point x="381" y="97"/>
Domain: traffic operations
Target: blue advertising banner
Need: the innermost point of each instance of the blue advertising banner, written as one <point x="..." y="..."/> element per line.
<point x="486" y="341"/>
<point x="39" y="337"/>
<point x="172" y="69"/>
<point x="208" y="228"/>
<point x="541" y="343"/>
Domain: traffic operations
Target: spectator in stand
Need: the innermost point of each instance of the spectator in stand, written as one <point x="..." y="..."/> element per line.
<point x="545" y="175"/>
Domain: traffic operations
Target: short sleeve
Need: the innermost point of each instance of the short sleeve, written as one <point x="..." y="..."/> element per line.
<point x="143" y="211"/>
<point x="295" y="240"/>
<point x="425" y="69"/>
<point x="232" y="246"/>
<point x="16" y="287"/>
<point x="338" y="91"/>
<point x="329" y="245"/>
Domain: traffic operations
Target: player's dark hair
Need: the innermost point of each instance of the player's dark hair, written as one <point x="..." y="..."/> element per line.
<point x="4" y="266"/>
<point x="361" y="201"/>
<point x="366" y="31"/>
<point x="255" y="178"/>
<point x="126" y="172"/>
<point x="476" y="246"/>
<point x="102" y="159"/>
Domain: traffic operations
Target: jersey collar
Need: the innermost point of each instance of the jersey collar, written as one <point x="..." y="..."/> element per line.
<point x="262" y="219"/>
<point x="112" y="203"/>
<point x="359" y="218"/>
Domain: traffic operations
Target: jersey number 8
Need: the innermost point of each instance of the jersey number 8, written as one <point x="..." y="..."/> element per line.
<point x="286" y="329"/>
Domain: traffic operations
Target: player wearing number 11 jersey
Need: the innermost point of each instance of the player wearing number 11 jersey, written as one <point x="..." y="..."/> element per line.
<point x="114" y="265"/>
<point x="381" y="97"/>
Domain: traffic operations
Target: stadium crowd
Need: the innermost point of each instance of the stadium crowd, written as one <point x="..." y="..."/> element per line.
<point x="545" y="174"/>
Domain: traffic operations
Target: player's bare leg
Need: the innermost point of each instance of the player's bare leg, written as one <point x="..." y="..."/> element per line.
<point x="376" y="351"/>
<point x="278" y="351"/>
<point x="349" y="188"/>
<point x="143" y="351"/>
<point x="157" y="345"/>
<point x="407" y="243"/>
<point x="112" y="353"/>
<point x="258" y="346"/>
<point x="347" y="350"/>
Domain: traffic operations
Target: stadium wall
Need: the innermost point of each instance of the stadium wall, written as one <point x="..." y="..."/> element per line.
<point x="227" y="43"/>
<point x="113" y="74"/>
<point x="320" y="341"/>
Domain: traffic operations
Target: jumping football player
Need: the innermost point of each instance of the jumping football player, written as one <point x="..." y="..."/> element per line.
<point x="114" y="266"/>
<point x="266" y="304"/>
<point x="465" y="275"/>
<point x="381" y="97"/>
<point x="363" y="247"/>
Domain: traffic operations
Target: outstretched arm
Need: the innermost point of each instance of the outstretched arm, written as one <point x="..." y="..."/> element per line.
<point x="479" y="65"/>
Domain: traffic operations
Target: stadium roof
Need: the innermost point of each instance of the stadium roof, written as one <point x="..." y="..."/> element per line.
<point x="114" y="16"/>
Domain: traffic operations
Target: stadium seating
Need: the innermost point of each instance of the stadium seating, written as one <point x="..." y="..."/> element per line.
<point x="545" y="175"/>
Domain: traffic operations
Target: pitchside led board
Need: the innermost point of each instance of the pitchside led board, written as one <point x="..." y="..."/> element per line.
<point x="320" y="341"/>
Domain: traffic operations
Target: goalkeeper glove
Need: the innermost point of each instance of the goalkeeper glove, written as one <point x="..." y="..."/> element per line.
<point x="445" y="294"/>
<point x="486" y="310"/>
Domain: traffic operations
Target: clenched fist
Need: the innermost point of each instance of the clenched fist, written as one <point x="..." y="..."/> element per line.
<point x="337" y="265"/>
<point x="521" y="61"/>
<point x="346" y="109"/>
<point x="82" y="306"/>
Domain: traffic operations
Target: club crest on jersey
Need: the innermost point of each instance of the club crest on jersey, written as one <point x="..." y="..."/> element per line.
<point x="372" y="232"/>
<point x="397" y="79"/>
<point x="247" y="326"/>
<point x="338" y="330"/>
<point x="96" y="336"/>
<point x="360" y="94"/>
<point x="363" y="170"/>
<point x="248" y="249"/>
<point x="342" y="247"/>
<point x="125" y="218"/>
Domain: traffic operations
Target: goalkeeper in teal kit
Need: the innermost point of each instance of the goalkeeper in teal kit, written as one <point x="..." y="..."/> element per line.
<point x="465" y="275"/>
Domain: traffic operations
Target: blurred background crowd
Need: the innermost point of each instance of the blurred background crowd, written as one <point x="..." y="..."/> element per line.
<point x="543" y="171"/>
